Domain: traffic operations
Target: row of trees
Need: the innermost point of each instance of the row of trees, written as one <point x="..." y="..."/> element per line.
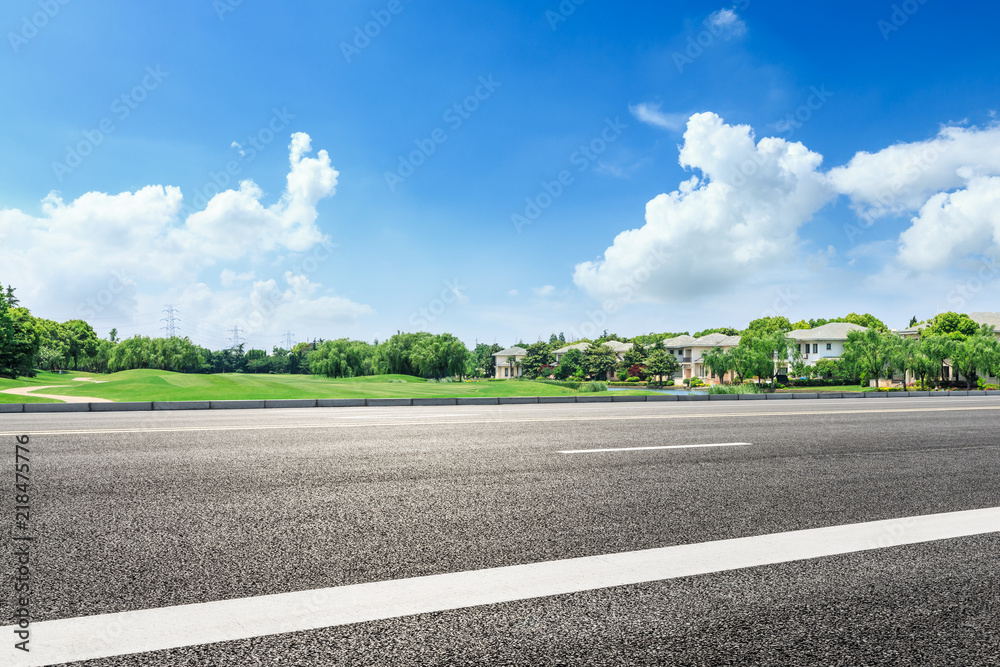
<point x="972" y="350"/>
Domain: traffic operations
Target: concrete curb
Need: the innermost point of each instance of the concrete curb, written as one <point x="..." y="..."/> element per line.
<point x="237" y="405"/>
<point x="435" y="401"/>
<point x="122" y="407"/>
<point x="479" y="401"/>
<point x="13" y="408"/>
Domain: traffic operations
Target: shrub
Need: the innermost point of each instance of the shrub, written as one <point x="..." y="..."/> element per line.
<point x="634" y="378"/>
<point x="594" y="386"/>
<point x="747" y="388"/>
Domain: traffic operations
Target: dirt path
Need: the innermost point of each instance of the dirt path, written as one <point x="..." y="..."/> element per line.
<point x="30" y="391"/>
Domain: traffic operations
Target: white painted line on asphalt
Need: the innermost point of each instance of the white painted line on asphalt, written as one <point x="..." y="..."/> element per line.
<point x="642" y="449"/>
<point x="106" y="635"/>
<point x="505" y="421"/>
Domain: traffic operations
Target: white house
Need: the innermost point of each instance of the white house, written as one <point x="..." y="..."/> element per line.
<point x="508" y="362"/>
<point x="825" y="342"/>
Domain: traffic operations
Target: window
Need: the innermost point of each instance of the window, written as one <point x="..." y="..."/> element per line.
<point x="815" y="348"/>
<point x="829" y="346"/>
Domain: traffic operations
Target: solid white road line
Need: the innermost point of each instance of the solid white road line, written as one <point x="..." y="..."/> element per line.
<point x="125" y="633"/>
<point x="642" y="449"/>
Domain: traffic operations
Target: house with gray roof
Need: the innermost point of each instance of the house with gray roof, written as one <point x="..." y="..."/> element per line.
<point x="825" y="342"/>
<point x="508" y="362"/>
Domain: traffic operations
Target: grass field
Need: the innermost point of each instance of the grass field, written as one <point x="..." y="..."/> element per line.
<point x="153" y="385"/>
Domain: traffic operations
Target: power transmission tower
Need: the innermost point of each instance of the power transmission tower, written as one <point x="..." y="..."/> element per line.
<point x="235" y="337"/>
<point x="289" y="340"/>
<point x="171" y="319"/>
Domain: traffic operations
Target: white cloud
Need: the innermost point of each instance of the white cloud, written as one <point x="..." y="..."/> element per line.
<point x="228" y="277"/>
<point x="512" y="292"/>
<point x="739" y="218"/>
<point x="76" y="252"/>
<point x="903" y="177"/>
<point x="727" y="23"/>
<point x="545" y="290"/>
<point x="952" y="226"/>
<point x="650" y="114"/>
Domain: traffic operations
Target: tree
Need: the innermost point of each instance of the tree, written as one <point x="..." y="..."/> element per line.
<point x="482" y="363"/>
<point x="768" y="325"/>
<point x="19" y="338"/>
<point x="937" y="349"/>
<point x="913" y="322"/>
<point x="570" y="364"/>
<point x="633" y="357"/>
<point x="977" y="352"/>
<point x="661" y="364"/>
<point x="81" y="340"/>
<point x="718" y="362"/>
<point x="917" y="361"/>
<point x="113" y="335"/>
<point x="955" y="325"/>
<point x="539" y="355"/>
<point x="599" y="360"/>
<point x="872" y="352"/>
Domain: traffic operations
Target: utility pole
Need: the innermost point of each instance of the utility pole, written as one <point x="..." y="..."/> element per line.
<point x="234" y="338"/>
<point x="289" y="340"/>
<point x="171" y="319"/>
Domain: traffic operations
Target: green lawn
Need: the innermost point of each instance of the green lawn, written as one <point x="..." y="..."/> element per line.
<point x="153" y="385"/>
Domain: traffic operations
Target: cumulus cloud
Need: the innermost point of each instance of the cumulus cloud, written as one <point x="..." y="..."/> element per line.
<point x="903" y="177"/>
<point x="951" y="226"/>
<point x="741" y="215"/>
<point x="73" y="250"/>
<point x="650" y="114"/>
<point x="741" y="212"/>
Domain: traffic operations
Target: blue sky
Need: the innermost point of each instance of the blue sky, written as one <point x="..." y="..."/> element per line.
<point x="879" y="196"/>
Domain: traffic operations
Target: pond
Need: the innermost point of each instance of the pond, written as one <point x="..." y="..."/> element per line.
<point x="675" y="390"/>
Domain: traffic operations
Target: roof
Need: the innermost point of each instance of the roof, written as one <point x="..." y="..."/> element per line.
<point x="986" y="318"/>
<point x="831" y="331"/>
<point x="577" y="346"/>
<point x="511" y="352"/>
<point x="680" y="341"/>
<point x="717" y="340"/>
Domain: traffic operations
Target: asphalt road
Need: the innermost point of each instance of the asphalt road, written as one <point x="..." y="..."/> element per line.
<point x="146" y="510"/>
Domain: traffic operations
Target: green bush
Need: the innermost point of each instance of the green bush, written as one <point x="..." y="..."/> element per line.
<point x="634" y="379"/>
<point x="747" y="388"/>
<point x="594" y="386"/>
